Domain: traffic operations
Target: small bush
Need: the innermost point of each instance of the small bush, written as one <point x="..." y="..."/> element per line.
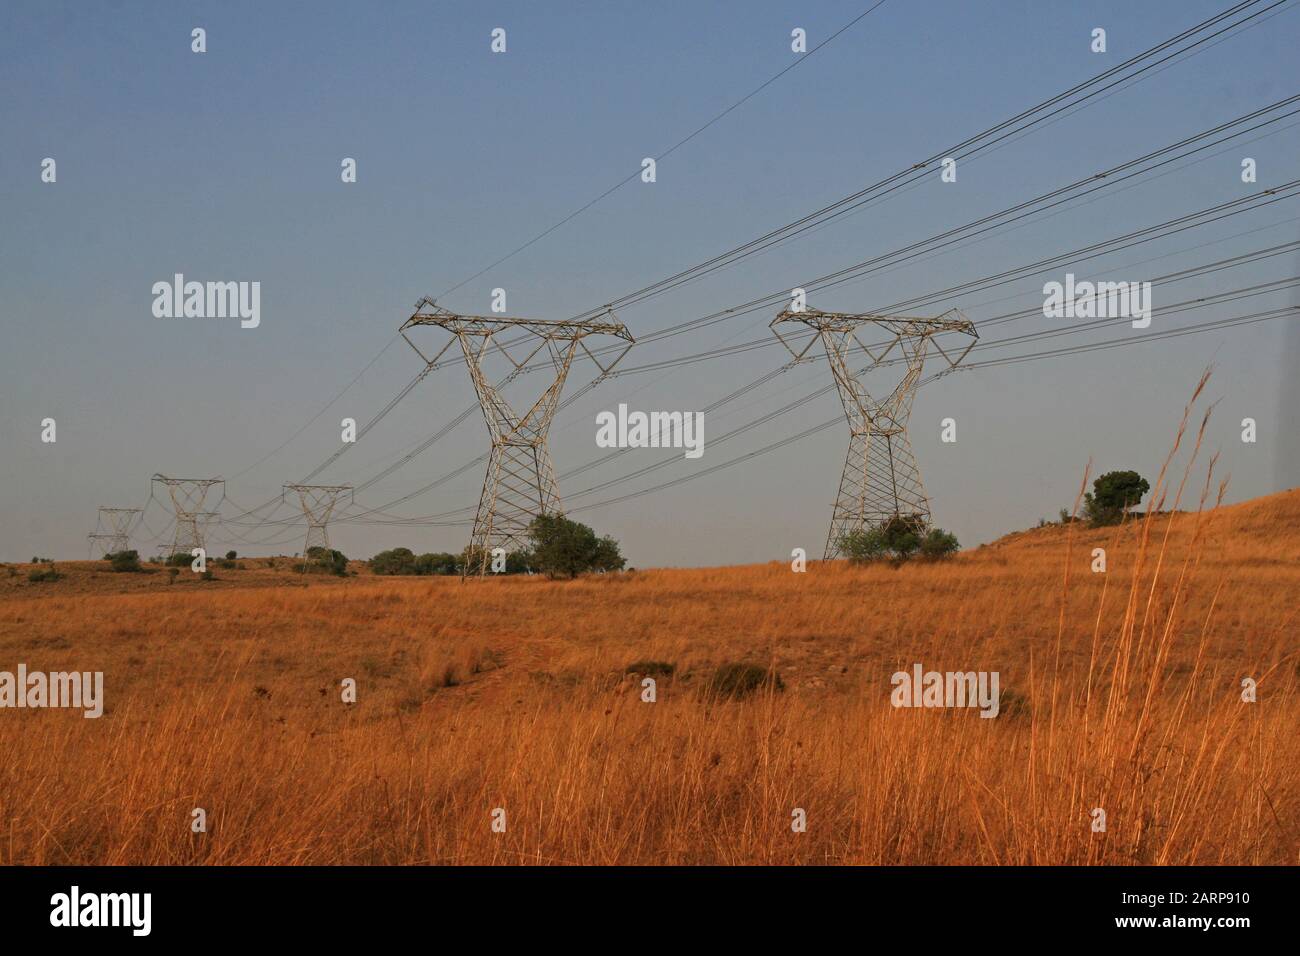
<point x="324" y="559"/>
<point x="231" y="555"/>
<point x="741" y="680"/>
<point x="938" y="544"/>
<point x="1011" y="704"/>
<point x="395" y="561"/>
<point x="897" y="539"/>
<point x="403" y="561"/>
<point x="43" y="574"/>
<point x="124" y="561"/>
<point x="179" y="560"/>
<point x="650" y="668"/>
<point x="440" y="563"/>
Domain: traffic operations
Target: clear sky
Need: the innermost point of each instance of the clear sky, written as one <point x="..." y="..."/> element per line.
<point x="225" y="166"/>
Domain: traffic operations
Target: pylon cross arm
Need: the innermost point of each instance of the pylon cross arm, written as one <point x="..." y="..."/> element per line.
<point x="489" y="325"/>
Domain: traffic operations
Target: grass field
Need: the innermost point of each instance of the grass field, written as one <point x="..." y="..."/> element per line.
<point x="1120" y="690"/>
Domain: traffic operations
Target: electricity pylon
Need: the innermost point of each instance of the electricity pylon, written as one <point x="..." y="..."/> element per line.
<point x="881" y="479"/>
<point x="188" y="496"/>
<point x="117" y="537"/>
<point x="318" y="503"/>
<point x="520" y="481"/>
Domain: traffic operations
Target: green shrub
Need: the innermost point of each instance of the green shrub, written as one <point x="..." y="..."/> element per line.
<point x="567" y="548"/>
<point x="865" y="544"/>
<point x="741" y="680"/>
<point x="896" y="539"/>
<point x="403" y="561"/>
<point x="517" y="562"/>
<point x="938" y="544"/>
<point x="395" y="561"/>
<point x="650" y="668"/>
<point x="43" y="574"/>
<point x="124" y="561"/>
<point x="324" y="559"/>
<point x="440" y="563"/>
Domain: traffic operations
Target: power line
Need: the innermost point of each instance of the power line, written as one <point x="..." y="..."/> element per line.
<point x="1016" y="126"/>
<point x="1151" y="233"/>
<point x="672" y="149"/>
<point x="1186" y="306"/>
<point x="961" y="150"/>
<point x="664" y="155"/>
<point x="1103" y="180"/>
<point x="307" y="424"/>
<point x="1289" y="311"/>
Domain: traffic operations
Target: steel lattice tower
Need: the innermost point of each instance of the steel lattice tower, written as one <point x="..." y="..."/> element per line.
<point x="881" y="479"/>
<point x="318" y="503"/>
<point x="520" y="480"/>
<point x="118" y="536"/>
<point x="187" y="497"/>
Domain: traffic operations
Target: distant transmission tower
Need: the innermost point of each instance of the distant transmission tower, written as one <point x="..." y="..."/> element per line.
<point x="881" y="479"/>
<point x="318" y="503"/>
<point x="117" y="536"/>
<point x="520" y="481"/>
<point x="188" y="496"/>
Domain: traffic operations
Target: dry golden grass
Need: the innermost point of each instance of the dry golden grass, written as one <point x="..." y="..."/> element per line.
<point x="1121" y="691"/>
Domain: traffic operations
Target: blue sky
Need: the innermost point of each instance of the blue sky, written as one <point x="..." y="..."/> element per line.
<point x="225" y="166"/>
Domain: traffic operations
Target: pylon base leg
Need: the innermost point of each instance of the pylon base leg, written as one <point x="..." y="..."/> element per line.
<point x="519" y="486"/>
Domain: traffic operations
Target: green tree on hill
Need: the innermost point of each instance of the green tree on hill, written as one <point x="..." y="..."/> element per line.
<point x="1112" y="495"/>
<point x="564" y="548"/>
